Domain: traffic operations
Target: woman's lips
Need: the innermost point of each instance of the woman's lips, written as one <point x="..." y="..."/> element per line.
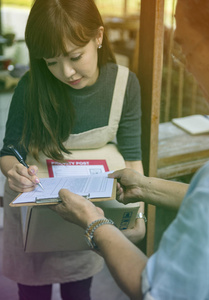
<point x="74" y="82"/>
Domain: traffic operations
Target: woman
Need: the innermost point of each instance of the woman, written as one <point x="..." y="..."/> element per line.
<point x="69" y="102"/>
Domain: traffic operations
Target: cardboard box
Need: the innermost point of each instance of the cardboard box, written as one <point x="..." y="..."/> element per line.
<point x="45" y="231"/>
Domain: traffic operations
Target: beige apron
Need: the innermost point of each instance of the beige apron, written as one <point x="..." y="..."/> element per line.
<point x="96" y="143"/>
<point x="59" y="267"/>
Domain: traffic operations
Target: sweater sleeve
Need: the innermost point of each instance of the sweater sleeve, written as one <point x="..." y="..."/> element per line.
<point x="14" y="125"/>
<point x="129" y="131"/>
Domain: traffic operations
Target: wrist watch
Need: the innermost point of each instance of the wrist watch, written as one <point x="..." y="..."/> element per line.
<point x="89" y="233"/>
<point x="90" y="241"/>
<point x="140" y="215"/>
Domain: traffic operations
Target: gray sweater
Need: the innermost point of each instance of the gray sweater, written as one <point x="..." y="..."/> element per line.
<point x="92" y="107"/>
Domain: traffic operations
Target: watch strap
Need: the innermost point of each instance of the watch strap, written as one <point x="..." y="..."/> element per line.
<point x="89" y="233"/>
<point x="140" y="215"/>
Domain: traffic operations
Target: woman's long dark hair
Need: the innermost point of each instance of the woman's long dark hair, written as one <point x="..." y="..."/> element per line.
<point x="49" y="114"/>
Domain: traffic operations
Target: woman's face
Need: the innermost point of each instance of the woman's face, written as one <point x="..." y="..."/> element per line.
<point x="79" y="68"/>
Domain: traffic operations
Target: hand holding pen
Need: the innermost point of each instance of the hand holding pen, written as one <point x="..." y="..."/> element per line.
<point x="21" y="160"/>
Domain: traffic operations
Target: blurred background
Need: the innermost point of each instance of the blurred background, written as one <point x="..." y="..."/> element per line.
<point x="121" y="20"/>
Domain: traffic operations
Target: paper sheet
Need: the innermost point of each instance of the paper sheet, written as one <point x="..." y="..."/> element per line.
<point x="91" y="186"/>
<point x="195" y="124"/>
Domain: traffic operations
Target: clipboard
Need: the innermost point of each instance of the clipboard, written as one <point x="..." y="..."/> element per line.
<point x="54" y="201"/>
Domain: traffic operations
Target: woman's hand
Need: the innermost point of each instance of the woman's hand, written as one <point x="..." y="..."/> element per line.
<point x="20" y="178"/>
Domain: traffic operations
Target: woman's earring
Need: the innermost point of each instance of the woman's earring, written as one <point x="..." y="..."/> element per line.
<point x="100" y="46"/>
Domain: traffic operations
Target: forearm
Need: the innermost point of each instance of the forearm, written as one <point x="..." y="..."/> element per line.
<point x="137" y="166"/>
<point x="137" y="233"/>
<point x="6" y="163"/>
<point x="162" y="192"/>
<point x="124" y="260"/>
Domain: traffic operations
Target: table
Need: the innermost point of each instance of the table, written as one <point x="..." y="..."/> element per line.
<point x="180" y="153"/>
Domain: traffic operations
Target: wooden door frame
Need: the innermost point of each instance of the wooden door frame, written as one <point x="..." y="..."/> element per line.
<point x="150" y="77"/>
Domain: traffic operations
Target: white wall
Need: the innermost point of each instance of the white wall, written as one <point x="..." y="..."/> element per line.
<point x="14" y="21"/>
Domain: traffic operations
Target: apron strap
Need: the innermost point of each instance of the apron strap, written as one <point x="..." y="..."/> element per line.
<point x="118" y="95"/>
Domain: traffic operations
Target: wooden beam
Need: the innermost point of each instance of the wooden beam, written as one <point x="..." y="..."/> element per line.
<point x="150" y="76"/>
<point x="125" y="7"/>
<point x="1" y="46"/>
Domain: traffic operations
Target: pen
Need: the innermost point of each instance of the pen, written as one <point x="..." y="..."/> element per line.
<point x="21" y="160"/>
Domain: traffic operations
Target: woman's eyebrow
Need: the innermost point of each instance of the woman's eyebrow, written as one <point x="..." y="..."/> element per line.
<point x="66" y="53"/>
<point x="73" y="50"/>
